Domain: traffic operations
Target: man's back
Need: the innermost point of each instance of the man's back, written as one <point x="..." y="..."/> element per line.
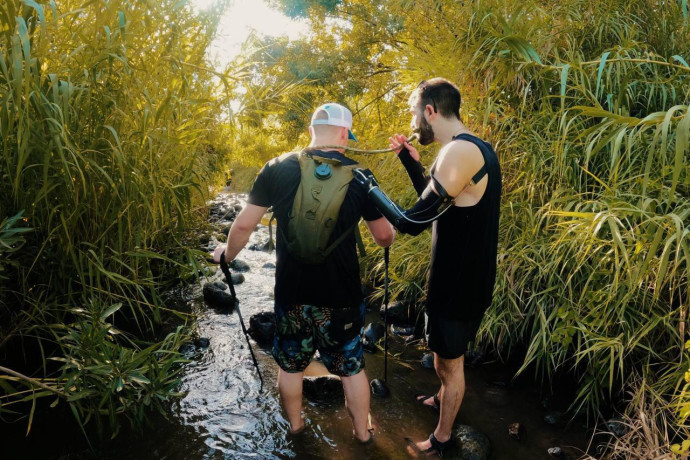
<point x="336" y="282"/>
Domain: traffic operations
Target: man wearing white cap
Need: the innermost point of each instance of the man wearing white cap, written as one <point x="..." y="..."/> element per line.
<point x="318" y="306"/>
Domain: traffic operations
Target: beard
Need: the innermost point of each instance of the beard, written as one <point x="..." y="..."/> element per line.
<point x="426" y="132"/>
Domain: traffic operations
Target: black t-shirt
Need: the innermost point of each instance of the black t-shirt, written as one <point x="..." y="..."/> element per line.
<point x="334" y="283"/>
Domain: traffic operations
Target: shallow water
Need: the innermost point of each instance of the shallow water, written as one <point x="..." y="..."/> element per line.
<point x="224" y="414"/>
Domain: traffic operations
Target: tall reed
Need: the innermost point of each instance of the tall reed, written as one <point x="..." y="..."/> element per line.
<point x="109" y="136"/>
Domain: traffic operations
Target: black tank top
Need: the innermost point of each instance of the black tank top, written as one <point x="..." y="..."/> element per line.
<point x="464" y="244"/>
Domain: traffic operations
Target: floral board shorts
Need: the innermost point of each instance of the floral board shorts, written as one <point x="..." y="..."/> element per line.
<point x="335" y="332"/>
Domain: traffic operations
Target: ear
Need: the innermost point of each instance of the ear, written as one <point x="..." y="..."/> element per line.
<point x="429" y="110"/>
<point x="311" y="131"/>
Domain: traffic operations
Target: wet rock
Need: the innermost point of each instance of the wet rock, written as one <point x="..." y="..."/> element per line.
<point x="218" y="210"/>
<point x="206" y="271"/>
<point x="202" y="342"/>
<point x="374" y="331"/>
<point x="268" y="265"/>
<point x="398" y="312"/>
<point x="474" y="358"/>
<point x="379" y="388"/>
<point x="472" y="443"/>
<point x="617" y="427"/>
<point x="553" y="418"/>
<point x="218" y="298"/>
<point x="220" y="285"/>
<point x="428" y="361"/>
<point x="514" y="430"/>
<point x="403" y="330"/>
<point x="187" y="349"/>
<point x="239" y="265"/>
<point x="262" y="326"/>
<point x="556" y="452"/>
<point x="268" y="246"/>
<point x="237" y="208"/>
<point x="323" y="388"/>
<point x="237" y="278"/>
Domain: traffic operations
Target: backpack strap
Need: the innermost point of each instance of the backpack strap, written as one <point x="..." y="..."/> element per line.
<point x="339" y="240"/>
<point x="479" y="176"/>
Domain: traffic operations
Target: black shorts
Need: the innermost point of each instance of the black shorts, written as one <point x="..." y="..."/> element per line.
<point x="447" y="337"/>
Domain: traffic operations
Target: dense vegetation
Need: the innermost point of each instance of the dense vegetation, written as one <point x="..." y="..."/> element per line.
<point x="586" y="103"/>
<point x="109" y="135"/>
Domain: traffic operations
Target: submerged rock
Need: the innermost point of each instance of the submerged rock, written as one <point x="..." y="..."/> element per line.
<point x="514" y="430"/>
<point x="398" y="312"/>
<point x="553" y="418"/>
<point x="472" y="443"/>
<point x="262" y="326"/>
<point x="474" y="358"/>
<point x="323" y="388"/>
<point x="379" y="388"/>
<point x="617" y="427"/>
<point x="187" y="349"/>
<point x="373" y="332"/>
<point x="497" y="396"/>
<point x="428" y="361"/>
<point x="218" y="298"/>
<point x="239" y="265"/>
<point x="556" y="452"/>
<point x="202" y="342"/>
<point x="268" y="265"/>
<point x="403" y="330"/>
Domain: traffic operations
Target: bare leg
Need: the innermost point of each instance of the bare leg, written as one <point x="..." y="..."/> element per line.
<point x="290" y="386"/>
<point x="452" y="375"/>
<point x="357" y="398"/>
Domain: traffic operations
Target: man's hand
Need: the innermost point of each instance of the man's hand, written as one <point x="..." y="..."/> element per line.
<point x="399" y="142"/>
<point x="220" y="249"/>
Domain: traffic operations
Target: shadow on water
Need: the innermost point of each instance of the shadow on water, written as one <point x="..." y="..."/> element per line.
<point x="224" y="414"/>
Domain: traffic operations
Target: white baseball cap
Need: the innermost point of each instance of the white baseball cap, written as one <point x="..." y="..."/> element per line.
<point x="337" y="115"/>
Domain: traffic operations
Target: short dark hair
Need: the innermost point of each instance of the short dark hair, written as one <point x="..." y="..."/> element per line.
<point x="441" y="94"/>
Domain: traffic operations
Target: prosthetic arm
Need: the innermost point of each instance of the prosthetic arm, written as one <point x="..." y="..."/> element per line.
<point x="429" y="207"/>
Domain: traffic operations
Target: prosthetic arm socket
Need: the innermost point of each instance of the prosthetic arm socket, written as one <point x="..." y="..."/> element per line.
<point x="429" y="207"/>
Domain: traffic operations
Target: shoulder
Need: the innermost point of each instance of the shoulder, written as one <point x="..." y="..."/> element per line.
<point x="460" y="154"/>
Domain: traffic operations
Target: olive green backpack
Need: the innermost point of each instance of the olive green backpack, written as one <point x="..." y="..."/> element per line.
<point x="321" y="192"/>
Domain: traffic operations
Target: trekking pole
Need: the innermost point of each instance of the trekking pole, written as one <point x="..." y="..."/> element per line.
<point x="226" y="270"/>
<point x="386" y="260"/>
<point x="380" y="387"/>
